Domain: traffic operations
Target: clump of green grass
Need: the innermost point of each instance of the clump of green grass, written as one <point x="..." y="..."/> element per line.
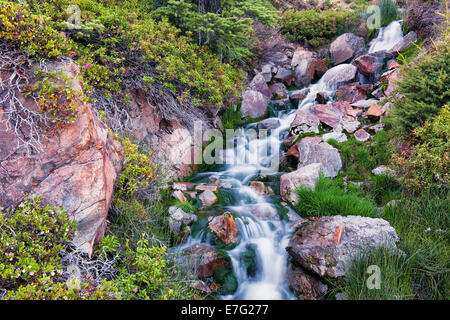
<point x="359" y="158"/>
<point x="385" y="188"/>
<point x="388" y="11"/>
<point x="329" y="198"/>
<point x="422" y="271"/>
<point x="395" y="275"/>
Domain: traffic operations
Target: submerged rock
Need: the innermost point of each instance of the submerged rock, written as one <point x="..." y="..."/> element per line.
<point x="224" y="227"/>
<point x="205" y="260"/>
<point x="327" y="245"/>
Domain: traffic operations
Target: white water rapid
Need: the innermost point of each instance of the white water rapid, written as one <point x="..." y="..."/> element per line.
<point x="268" y="238"/>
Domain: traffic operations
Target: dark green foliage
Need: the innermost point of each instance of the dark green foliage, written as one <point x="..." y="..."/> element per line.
<point x="329" y="198"/>
<point x="424" y="89"/>
<point x="226" y="279"/>
<point x="316" y="27"/>
<point x="225" y="26"/>
<point x="428" y="164"/>
<point x="33" y="239"/>
<point x="422" y="271"/>
<point x="359" y="158"/>
<point x="248" y="259"/>
<point x="385" y="188"/>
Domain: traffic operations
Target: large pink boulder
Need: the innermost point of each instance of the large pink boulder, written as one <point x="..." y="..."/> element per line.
<point x="254" y="104"/>
<point x="76" y="168"/>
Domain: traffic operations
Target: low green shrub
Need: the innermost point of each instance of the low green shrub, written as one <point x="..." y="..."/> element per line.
<point x="329" y="198"/>
<point x="421" y="269"/>
<point x="32" y="239"/>
<point x="424" y="88"/>
<point x="317" y="27"/>
<point x="360" y="158"/>
<point x="428" y="165"/>
<point x="148" y="273"/>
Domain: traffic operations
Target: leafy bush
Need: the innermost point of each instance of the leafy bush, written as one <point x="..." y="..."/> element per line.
<point x="226" y="27"/>
<point x="148" y="274"/>
<point x="424" y="88"/>
<point x="31" y="31"/>
<point x="328" y="198"/>
<point x="31" y="241"/>
<point x="359" y="158"/>
<point x="428" y="165"/>
<point x="316" y="27"/>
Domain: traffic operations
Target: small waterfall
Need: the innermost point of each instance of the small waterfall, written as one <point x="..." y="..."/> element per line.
<point x="387" y="37"/>
<point x="244" y="162"/>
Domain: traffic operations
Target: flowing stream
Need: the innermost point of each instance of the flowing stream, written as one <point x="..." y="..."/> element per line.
<point x="245" y="161"/>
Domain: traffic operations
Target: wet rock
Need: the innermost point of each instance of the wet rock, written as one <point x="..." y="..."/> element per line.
<point x="266" y="71"/>
<point x="321" y="97"/>
<point x="346" y="47"/>
<point x="307" y="286"/>
<point x="205" y="260"/>
<point x="327" y="114"/>
<point x="285" y="75"/>
<point x="259" y="84"/>
<point x="299" y="94"/>
<point x="353" y="92"/>
<point x="315" y="248"/>
<point x="404" y="44"/>
<point x="183" y="186"/>
<point x="254" y="104"/>
<point x="208" y="198"/>
<point x="371" y="64"/>
<point x="362" y="135"/>
<point x="304" y="121"/>
<point x="179" y="221"/>
<point x="268" y="124"/>
<point x="304" y="73"/>
<point x="300" y="55"/>
<point x="364" y="103"/>
<point x="375" y="111"/>
<point x="338" y="136"/>
<point x="220" y="183"/>
<point x="311" y="152"/>
<point x="258" y="186"/>
<point x="279" y="90"/>
<point x="350" y="124"/>
<point x="224" y="227"/>
<point x="203" y="187"/>
<point x="304" y="176"/>
<point x="177" y="194"/>
<point x="263" y="211"/>
<point x="339" y="75"/>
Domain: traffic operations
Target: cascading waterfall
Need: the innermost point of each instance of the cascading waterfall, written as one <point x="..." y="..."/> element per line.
<point x="269" y="238"/>
<point x="387" y="37"/>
